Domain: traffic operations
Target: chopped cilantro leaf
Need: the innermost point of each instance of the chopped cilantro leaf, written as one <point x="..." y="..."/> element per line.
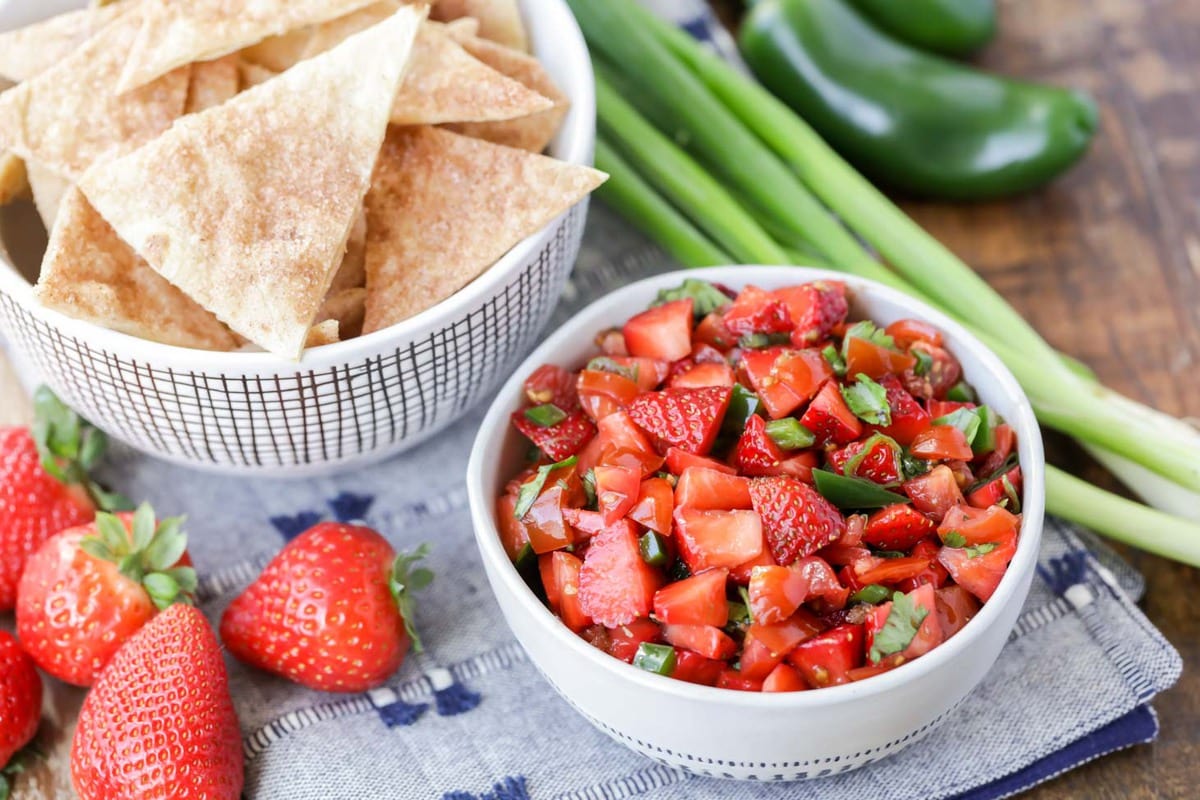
<point x="954" y="539"/>
<point x="868" y="401"/>
<point x="898" y="631"/>
<point x="867" y="331"/>
<point x="836" y="362"/>
<point x="757" y="341"/>
<point x="606" y="364"/>
<point x="589" y="488"/>
<point x="924" y="361"/>
<point x="706" y="298"/>
<point x="965" y="419"/>
<point x="981" y="549"/>
<point x="530" y="490"/>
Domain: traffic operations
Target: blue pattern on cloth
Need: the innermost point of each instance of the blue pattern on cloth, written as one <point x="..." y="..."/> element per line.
<point x="1072" y="684"/>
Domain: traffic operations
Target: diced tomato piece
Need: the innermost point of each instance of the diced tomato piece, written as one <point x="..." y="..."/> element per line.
<point x="823" y="583"/>
<point x="815" y="308"/>
<point x="796" y="519"/>
<point x="597" y="637"/>
<point x="625" y="444"/>
<point x="897" y="527"/>
<point x="929" y="633"/>
<point x="849" y="555"/>
<point x="780" y="637"/>
<point x="560" y="577"/>
<point x="934" y="493"/>
<point x="908" y="417"/>
<point x="698" y="600"/>
<point x="615" y="585"/>
<point x="551" y="383"/>
<point x="732" y="679"/>
<point x="994" y="491"/>
<point x="703" y="375"/>
<point x="624" y="639"/>
<point x="757" y="660"/>
<point x="856" y="528"/>
<point x="755" y="452"/>
<point x="647" y="373"/>
<point x="934" y="574"/>
<point x="679" y="460"/>
<point x="979" y="525"/>
<point x="544" y="521"/>
<point x="513" y="534"/>
<point x="979" y="574"/>
<point x="826" y="659"/>
<point x="893" y="570"/>
<point x="944" y="371"/>
<point x="875" y="361"/>
<point x="757" y="311"/>
<point x="941" y="408"/>
<point x="558" y="441"/>
<point x="1005" y="440"/>
<point x="707" y="640"/>
<point x="784" y="678"/>
<point x="656" y="502"/>
<point x="712" y="331"/>
<point x="785" y="378"/>
<point x="906" y="331"/>
<point x="776" y="593"/>
<point x="589" y="456"/>
<point x="942" y="443"/>
<point x="585" y="523"/>
<point x="602" y="393"/>
<point x="617" y="491"/>
<point x="742" y="572"/>
<point x="955" y="607"/>
<point x="880" y="464"/>
<point x="830" y="419"/>
<point x="799" y="466"/>
<point x="871" y="670"/>
<point x="692" y="667"/>
<point x="709" y="539"/>
<point x="689" y="419"/>
<point x="707" y="354"/>
<point x="710" y="489"/>
<point x="663" y="332"/>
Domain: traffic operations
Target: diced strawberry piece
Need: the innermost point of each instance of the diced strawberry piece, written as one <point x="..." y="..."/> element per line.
<point x="712" y="331"/>
<point x="780" y="637"/>
<point x="823" y="584"/>
<point x="934" y="574"/>
<point x="979" y="574"/>
<point x="707" y="354"/>
<point x="709" y="539"/>
<point x="929" y="634"/>
<point x="689" y="419"/>
<point x="624" y="444"/>
<point x="826" y="659"/>
<point x="757" y="660"/>
<point x="663" y="332"/>
<point x="709" y="489"/>
<point x="757" y="311"/>
<point x="558" y="441"/>
<point x="935" y="492"/>
<point x="908" y="418"/>
<point x="784" y="678"/>
<point x="815" y="308"/>
<point x="941" y="408"/>
<point x="560" y="577"/>
<point x="612" y="342"/>
<point x="585" y="523"/>
<point x="544" y="521"/>
<point x="942" y="443"/>
<point x="732" y="679"/>
<point x="897" y="527"/>
<point x="692" y="667"/>
<point x="708" y="641"/>
<point x="891" y="571"/>
<point x="623" y="640"/>
<point x="906" y="331"/>
<point x="648" y="373"/>
<point x="703" y="375"/>
<point x="513" y="534"/>
<point x="880" y="464"/>
<point x="796" y="519"/>
<point x="784" y="378"/>
<point x="551" y="383"/>
<point x="617" y="491"/>
<point x="979" y="525"/>
<point x="1006" y="440"/>
<point x="994" y="491"/>
<point x="955" y="608"/>
<point x="944" y="371"/>
<point x="756" y="453"/>
<point x="615" y="585"/>
<point x="656" y="502"/>
<point x="603" y="393"/>
<point x="828" y="417"/>
<point x="873" y="360"/>
<point x="776" y="593"/>
<point x="698" y="600"/>
<point x="799" y="466"/>
<point x="742" y="572"/>
<point x="679" y="460"/>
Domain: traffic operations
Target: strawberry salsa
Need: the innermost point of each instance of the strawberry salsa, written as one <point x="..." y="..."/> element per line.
<point x="753" y="492"/>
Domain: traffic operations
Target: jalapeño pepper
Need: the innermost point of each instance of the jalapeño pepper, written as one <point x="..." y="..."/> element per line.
<point x="950" y="27"/>
<point x="915" y="121"/>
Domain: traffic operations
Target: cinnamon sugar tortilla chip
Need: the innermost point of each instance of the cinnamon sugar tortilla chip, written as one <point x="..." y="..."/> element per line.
<point x="278" y="53"/>
<point x="212" y="83"/>
<point x="29" y="51"/>
<point x="178" y="32"/>
<point x="348" y="307"/>
<point x="251" y="75"/>
<point x="330" y="34"/>
<point x="247" y="206"/>
<point x="48" y="191"/>
<point x="323" y="333"/>
<point x="352" y="273"/>
<point x="443" y="208"/>
<point x="13" y="181"/>
<point x="68" y="117"/>
<point x="499" y="20"/>
<point x="532" y="132"/>
<point x="90" y="274"/>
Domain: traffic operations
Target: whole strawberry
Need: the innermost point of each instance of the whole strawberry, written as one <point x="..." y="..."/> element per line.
<point x="332" y="611"/>
<point x="44" y="487"/>
<point x="89" y="589"/>
<point x="159" y="724"/>
<point x="20" y="702"/>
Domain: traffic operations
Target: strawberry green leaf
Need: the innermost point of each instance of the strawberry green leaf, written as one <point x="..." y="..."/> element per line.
<point x="404" y="581"/>
<point x="185" y="577"/>
<point x="131" y="567"/>
<point x="143" y="526"/>
<point x="96" y="549"/>
<point x="162" y="588"/>
<point x="93" y="443"/>
<point x="898" y="631"/>
<point x="112" y="532"/>
<point x="165" y="548"/>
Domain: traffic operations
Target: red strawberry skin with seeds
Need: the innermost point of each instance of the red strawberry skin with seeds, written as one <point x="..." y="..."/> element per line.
<point x="797" y="521"/>
<point x="689" y="419"/>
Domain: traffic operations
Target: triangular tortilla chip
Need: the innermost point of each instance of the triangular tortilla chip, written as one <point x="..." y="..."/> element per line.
<point x="347" y="307"/>
<point x="247" y="206"/>
<point x="323" y="333"/>
<point x="443" y="208"/>
<point x="212" y="83"/>
<point x="278" y="53"/>
<point x="499" y="20"/>
<point x="90" y="274"/>
<point x="48" y="191"/>
<point x="29" y="51"/>
<point x="352" y="274"/>
<point x="251" y="75"/>
<point x="176" y="32"/>
<point x="533" y="132"/>
<point x="330" y="34"/>
<point x="68" y="117"/>
<point x="13" y="181"/>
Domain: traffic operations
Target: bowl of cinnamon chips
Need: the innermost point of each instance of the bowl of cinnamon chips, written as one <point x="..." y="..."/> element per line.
<point x="280" y="238"/>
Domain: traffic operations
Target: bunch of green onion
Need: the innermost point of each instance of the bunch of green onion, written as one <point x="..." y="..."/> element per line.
<point x="718" y="171"/>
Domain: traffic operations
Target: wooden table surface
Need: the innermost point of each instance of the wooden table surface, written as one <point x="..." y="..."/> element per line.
<point x="1106" y="263"/>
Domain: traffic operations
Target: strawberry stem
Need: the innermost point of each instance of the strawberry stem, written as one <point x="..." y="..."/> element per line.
<point x="146" y="552"/>
<point x="404" y="581"/>
<point x="70" y="447"/>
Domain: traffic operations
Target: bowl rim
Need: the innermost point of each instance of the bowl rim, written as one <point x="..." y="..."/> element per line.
<point x="1030" y="448"/>
<point x="574" y="143"/>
